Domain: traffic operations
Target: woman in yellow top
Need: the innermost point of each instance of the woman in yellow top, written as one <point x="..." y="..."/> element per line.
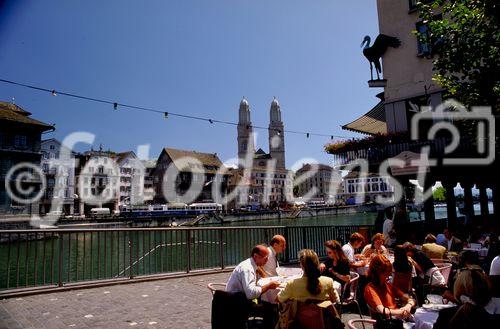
<point x="311" y="285"/>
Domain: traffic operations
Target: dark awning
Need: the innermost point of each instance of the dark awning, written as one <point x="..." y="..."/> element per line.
<point x="371" y="123"/>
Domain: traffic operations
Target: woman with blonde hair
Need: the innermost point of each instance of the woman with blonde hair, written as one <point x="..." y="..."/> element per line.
<point x="311" y="285"/>
<point x="376" y="247"/>
<point x="308" y="291"/>
<point x="472" y="291"/>
<point x="380" y="295"/>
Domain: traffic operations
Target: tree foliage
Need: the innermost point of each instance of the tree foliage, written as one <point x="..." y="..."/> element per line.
<point x="465" y="37"/>
<point x="439" y="194"/>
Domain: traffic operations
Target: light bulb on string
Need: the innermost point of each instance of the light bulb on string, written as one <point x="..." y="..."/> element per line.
<point x="115" y="106"/>
<point x="307" y="135"/>
<point x="53" y="92"/>
<point x="165" y="115"/>
<point x="210" y="120"/>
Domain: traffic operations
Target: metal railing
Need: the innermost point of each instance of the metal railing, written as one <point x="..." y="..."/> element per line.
<point x="38" y="259"/>
<point x="377" y="154"/>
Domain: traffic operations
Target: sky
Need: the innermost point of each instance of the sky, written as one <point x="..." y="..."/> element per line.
<point x="195" y="57"/>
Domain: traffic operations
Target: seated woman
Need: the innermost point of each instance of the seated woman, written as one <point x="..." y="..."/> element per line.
<point x="403" y="270"/>
<point x="337" y="264"/>
<point x="376" y="247"/>
<point x="381" y="295"/>
<point x="309" y="288"/>
<point x="477" y="308"/>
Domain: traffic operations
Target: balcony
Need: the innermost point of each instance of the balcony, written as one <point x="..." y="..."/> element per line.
<point x="379" y="152"/>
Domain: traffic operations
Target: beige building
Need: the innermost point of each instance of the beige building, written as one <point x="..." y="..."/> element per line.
<point x="406" y="69"/>
<point x="367" y="187"/>
<point x="324" y="179"/>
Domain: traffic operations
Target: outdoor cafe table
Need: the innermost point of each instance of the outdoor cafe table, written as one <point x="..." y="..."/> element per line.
<point x="426" y="316"/>
<point x="482" y="252"/>
<point x="285" y="274"/>
<point x="363" y="270"/>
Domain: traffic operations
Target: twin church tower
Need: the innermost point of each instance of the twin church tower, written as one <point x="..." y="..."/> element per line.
<point x="246" y="141"/>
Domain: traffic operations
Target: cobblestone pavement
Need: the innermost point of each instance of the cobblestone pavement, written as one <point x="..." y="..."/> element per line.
<point x="170" y="303"/>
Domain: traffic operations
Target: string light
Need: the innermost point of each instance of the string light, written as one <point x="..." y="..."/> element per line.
<point x="165" y="114"/>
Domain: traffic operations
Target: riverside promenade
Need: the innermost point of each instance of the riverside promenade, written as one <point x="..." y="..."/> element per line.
<point x="169" y="303"/>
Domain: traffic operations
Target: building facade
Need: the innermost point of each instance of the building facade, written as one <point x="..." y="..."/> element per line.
<point x="188" y="169"/>
<point x="60" y="176"/>
<point x="266" y="180"/>
<point x="366" y="187"/>
<point x="20" y="143"/>
<point x="97" y="179"/>
<point x="323" y="178"/>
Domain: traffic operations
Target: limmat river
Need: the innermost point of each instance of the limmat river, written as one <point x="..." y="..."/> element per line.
<point x="87" y="256"/>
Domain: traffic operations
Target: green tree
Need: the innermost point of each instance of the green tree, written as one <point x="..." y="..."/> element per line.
<point x="439" y="194"/>
<point x="465" y="39"/>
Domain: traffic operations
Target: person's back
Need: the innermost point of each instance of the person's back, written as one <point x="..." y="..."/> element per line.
<point x="466" y="316"/>
<point x="433" y="250"/>
<point x="297" y="289"/>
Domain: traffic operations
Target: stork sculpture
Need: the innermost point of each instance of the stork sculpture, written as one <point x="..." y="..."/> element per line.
<point x="377" y="50"/>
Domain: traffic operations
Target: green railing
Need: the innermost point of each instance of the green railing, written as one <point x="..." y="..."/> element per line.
<point x="38" y="259"/>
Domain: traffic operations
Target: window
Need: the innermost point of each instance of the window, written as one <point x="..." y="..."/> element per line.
<point x="52" y="147"/>
<point x="20" y="141"/>
<point x="424" y="45"/>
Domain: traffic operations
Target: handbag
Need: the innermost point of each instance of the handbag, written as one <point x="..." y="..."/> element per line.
<point x="384" y="322"/>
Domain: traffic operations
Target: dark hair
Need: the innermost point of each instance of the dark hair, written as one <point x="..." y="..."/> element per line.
<point x="336" y="247"/>
<point x="430" y="238"/>
<point x="310" y="262"/>
<point x="355" y="237"/>
<point x="401" y="262"/>
<point x="467" y="257"/>
<point x="408" y="246"/>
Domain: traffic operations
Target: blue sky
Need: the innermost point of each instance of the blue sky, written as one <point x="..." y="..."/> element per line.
<point x="194" y="57"/>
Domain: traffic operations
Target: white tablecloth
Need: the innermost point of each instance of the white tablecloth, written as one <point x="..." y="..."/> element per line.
<point x="363" y="270"/>
<point x="425" y="319"/>
<point x="483" y="252"/>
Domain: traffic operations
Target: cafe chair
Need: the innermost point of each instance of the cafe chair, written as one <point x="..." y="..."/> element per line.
<point x="230" y="310"/>
<point x="348" y="294"/>
<point x="351" y="323"/>
<point x="439" y="261"/>
<point x="432" y="285"/>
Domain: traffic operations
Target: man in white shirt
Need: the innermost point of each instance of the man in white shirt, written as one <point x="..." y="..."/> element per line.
<point x="244" y="276"/>
<point x="355" y="241"/>
<point x="277" y="246"/>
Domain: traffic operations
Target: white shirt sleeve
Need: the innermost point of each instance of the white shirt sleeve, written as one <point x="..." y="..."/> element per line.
<point x="244" y="279"/>
<point x="349" y="252"/>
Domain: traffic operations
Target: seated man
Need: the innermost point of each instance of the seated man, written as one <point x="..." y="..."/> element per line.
<point x="452" y="243"/>
<point x="244" y="276"/>
<point x="244" y="279"/>
<point x="424" y="265"/>
<point x="432" y="249"/>
<point x="278" y="245"/>
<point x="349" y="249"/>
